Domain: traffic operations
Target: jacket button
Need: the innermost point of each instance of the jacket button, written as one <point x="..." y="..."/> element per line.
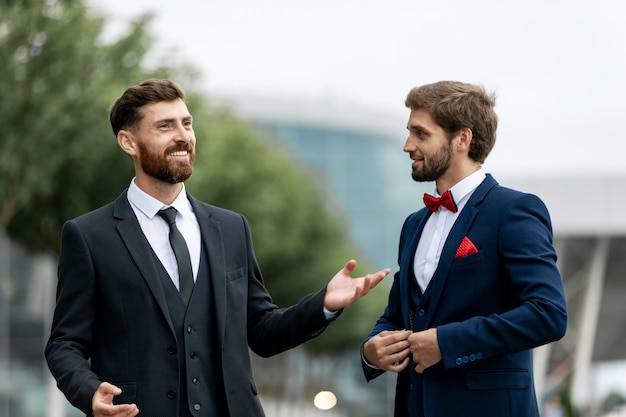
<point x="193" y="355"/>
<point x="171" y="350"/>
<point x="195" y="381"/>
<point x="459" y="361"/>
<point x="196" y="407"/>
<point x="189" y="330"/>
<point x="472" y="357"/>
<point x="421" y="313"/>
<point x="171" y="394"/>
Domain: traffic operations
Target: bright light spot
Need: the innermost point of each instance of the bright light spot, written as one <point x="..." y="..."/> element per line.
<point x="325" y="400"/>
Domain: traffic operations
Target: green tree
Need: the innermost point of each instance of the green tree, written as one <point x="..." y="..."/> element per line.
<point x="58" y="156"/>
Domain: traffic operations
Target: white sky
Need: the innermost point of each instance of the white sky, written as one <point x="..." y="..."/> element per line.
<point x="557" y="66"/>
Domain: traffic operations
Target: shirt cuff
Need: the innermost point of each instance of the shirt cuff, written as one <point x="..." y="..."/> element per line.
<point x="330" y="314"/>
<point x="369" y="365"/>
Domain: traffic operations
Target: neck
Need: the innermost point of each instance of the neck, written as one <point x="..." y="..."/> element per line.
<point x="454" y="176"/>
<point x="165" y="192"/>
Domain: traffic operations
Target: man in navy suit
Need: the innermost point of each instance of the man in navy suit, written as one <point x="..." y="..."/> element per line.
<point x="124" y="339"/>
<point x="478" y="287"/>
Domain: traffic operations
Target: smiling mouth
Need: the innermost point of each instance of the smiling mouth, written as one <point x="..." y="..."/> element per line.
<point x="179" y="153"/>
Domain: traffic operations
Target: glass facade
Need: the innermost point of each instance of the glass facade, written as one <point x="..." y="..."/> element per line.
<point x="365" y="172"/>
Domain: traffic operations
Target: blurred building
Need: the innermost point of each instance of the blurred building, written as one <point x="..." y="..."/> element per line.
<point x="357" y="156"/>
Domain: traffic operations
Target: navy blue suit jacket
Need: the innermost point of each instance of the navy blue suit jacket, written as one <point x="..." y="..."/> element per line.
<point x="490" y="308"/>
<point x="112" y="323"/>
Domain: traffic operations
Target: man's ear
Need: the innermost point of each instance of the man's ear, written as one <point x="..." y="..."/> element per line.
<point x="464" y="139"/>
<point x="126" y="140"/>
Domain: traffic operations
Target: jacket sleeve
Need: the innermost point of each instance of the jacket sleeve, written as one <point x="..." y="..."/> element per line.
<point x="526" y="259"/>
<point x="69" y="346"/>
<point x="272" y="330"/>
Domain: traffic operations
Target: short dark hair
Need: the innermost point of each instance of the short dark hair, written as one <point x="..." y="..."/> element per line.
<point x="454" y="105"/>
<point x="125" y="112"/>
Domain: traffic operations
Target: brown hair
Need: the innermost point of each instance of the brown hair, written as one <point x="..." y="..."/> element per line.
<point x="454" y="105"/>
<point x="125" y="112"/>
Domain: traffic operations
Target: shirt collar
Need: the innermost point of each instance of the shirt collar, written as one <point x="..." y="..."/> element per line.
<point x="468" y="184"/>
<point x="149" y="205"/>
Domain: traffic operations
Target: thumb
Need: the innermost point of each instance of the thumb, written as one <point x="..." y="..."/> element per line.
<point x="350" y="265"/>
<point x="107" y="391"/>
<point x="108" y="388"/>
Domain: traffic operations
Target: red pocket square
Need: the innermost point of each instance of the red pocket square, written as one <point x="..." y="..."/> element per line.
<point x="466" y="248"/>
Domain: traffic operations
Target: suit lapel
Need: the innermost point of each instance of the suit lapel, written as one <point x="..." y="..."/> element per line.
<point x="139" y="249"/>
<point x="212" y="239"/>
<point x="457" y="233"/>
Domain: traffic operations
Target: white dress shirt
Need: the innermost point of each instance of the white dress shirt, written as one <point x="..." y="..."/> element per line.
<point x="438" y="228"/>
<point x="156" y="229"/>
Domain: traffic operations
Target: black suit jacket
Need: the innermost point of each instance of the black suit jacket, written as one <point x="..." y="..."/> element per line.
<point x="111" y="321"/>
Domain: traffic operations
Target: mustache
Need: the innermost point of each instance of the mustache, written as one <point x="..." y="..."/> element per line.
<point x="179" y="147"/>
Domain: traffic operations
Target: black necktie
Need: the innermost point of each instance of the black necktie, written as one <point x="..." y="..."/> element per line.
<point x="181" y="252"/>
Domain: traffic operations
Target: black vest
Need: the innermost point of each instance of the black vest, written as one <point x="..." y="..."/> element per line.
<point x="419" y="302"/>
<point x="201" y="384"/>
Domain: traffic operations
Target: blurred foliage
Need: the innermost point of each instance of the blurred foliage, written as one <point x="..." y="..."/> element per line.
<point x="59" y="158"/>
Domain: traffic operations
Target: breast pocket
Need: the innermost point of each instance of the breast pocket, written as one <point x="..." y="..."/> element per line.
<point x="467" y="261"/>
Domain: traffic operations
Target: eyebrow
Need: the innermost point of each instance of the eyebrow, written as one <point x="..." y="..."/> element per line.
<point x="172" y="120"/>
<point x="417" y="126"/>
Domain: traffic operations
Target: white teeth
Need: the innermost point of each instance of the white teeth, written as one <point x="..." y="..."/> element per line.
<point x="179" y="153"/>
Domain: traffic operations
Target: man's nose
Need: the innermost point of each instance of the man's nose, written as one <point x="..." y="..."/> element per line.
<point x="184" y="134"/>
<point x="409" y="145"/>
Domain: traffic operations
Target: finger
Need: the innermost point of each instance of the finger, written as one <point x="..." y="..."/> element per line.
<point x="400" y="356"/>
<point x="395" y="335"/>
<point x="349" y="267"/>
<point x="399" y="366"/>
<point x="378" y="277"/>
<point x="107" y="388"/>
<point x="370" y="281"/>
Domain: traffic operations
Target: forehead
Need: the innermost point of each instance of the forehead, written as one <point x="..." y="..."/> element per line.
<point x="165" y="110"/>
<point x="421" y="117"/>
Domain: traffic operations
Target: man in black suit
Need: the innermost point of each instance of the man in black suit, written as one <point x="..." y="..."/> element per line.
<point x="136" y="328"/>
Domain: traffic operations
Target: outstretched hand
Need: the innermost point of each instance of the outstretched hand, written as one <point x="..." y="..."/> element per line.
<point x="343" y="290"/>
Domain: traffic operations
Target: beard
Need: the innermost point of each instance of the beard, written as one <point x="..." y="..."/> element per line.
<point x="434" y="166"/>
<point x="157" y="166"/>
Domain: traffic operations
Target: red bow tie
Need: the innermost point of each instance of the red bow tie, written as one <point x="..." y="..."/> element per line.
<point x="446" y="200"/>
